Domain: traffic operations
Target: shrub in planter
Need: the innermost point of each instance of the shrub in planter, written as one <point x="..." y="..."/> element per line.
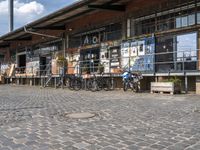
<point x="61" y="62"/>
<point x="176" y="81"/>
<point x="100" y="68"/>
<point x="85" y="69"/>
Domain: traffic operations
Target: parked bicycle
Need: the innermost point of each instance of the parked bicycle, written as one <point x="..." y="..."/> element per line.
<point x="99" y="83"/>
<point x="131" y="81"/>
<point x="73" y="82"/>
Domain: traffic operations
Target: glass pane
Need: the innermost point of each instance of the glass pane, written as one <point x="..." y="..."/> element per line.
<point x="198" y="18"/>
<point x="187" y="50"/>
<point x="178" y="22"/>
<point x="191" y="19"/>
<point x="184" y="21"/>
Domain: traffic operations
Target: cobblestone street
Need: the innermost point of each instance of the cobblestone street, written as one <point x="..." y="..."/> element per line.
<point x="36" y="119"/>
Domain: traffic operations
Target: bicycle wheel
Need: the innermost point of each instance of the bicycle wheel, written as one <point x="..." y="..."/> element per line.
<point x="69" y="84"/>
<point x="125" y="85"/>
<point x="89" y="84"/>
<point x="135" y="87"/>
<point x="77" y="85"/>
<point x="107" y="85"/>
<point x="113" y="84"/>
<point x="94" y="86"/>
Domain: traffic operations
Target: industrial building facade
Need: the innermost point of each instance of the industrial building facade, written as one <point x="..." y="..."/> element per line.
<point x="158" y="38"/>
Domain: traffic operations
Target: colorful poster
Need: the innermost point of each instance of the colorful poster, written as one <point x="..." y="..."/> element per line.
<point x="115" y="57"/>
<point x="125" y="54"/>
<point x="104" y="57"/>
<point x="134" y="49"/>
<point x="33" y="67"/>
<point x="141" y="48"/>
<point x="145" y="59"/>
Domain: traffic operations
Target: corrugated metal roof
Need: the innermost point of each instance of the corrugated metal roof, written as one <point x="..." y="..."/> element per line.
<point x="61" y="17"/>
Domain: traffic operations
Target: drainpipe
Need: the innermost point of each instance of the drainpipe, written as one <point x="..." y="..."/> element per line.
<point x="40" y="34"/>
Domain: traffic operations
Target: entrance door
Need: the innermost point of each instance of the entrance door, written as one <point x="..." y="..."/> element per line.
<point x="42" y="65"/>
<point x="21" y="63"/>
<point x="90" y="60"/>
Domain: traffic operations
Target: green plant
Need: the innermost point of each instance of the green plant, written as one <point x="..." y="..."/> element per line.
<point x="100" y="68"/>
<point x="174" y="80"/>
<point x="61" y="60"/>
<point x="85" y="68"/>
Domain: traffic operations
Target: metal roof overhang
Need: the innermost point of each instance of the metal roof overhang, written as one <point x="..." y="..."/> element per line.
<point x="58" y="19"/>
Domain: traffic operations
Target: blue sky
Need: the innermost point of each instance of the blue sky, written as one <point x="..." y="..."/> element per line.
<point x="27" y="11"/>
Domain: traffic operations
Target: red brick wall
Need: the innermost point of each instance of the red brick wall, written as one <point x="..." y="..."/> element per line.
<point x="92" y="20"/>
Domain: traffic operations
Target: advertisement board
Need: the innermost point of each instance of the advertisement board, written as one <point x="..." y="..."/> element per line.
<point x="141" y="54"/>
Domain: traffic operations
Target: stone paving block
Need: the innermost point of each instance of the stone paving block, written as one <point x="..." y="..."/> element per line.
<point x="35" y="118"/>
<point x="81" y="145"/>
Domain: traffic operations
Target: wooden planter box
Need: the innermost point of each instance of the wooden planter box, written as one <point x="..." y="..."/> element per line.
<point x="2" y="79"/>
<point x="198" y="86"/>
<point x="162" y="87"/>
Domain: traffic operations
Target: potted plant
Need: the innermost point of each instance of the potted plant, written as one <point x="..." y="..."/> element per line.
<point x="177" y="83"/>
<point x="61" y="62"/>
<point x="171" y="85"/>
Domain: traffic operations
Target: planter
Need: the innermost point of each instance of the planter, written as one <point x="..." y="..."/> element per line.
<point x="2" y="79"/>
<point x="162" y="87"/>
<point x="198" y="86"/>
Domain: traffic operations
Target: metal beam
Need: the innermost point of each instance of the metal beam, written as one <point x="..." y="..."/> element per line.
<point x="5" y="46"/>
<point x="109" y="7"/>
<point x="20" y="39"/>
<point x="50" y="28"/>
<point x="40" y="34"/>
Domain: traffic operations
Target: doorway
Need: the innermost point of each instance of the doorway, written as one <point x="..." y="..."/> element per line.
<point x="43" y="63"/>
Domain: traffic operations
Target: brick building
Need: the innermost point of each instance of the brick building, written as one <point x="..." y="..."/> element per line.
<point x="159" y="38"/>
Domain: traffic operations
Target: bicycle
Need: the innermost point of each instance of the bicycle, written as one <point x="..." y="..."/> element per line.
<point x="99" y="83"/>
<point x="73" y="82"/>
<point x="131" y="80"/>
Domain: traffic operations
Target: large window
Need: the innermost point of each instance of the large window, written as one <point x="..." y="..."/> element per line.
<point x="164" y="54"/>
<point x="185" y="21"/>
<point x="176" y="53"/>
<point x="179" y="17"/>
<point x="110" y="32"/>
<point x="187" y="51"/>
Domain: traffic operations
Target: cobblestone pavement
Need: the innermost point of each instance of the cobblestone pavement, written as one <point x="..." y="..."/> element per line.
<point x="36" y="119"/>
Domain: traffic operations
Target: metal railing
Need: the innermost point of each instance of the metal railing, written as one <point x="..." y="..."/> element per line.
<point x="165" y="62"/>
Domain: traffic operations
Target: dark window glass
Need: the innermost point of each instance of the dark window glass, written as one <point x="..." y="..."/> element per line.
<point x="164" y="54"/>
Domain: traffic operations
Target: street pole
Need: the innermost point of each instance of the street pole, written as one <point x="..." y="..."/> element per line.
<point x="11" y="14"/>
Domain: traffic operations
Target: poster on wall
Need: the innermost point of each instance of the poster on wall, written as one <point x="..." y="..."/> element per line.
<point x="104" y="57"/>
<point x="76" y="65"/>
<point x="149" y="51"/>
<point x="33" y="67"/>
<point x="115" y="57"/>
<point x="141" y="47"/>
<point x="145" y="59"/>
<point x="125" y="54"/>
<point x="150" y="45"/>
<point x="133" y="49"/>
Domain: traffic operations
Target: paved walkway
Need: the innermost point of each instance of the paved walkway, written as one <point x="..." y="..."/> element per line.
<point x="36" y="119"/>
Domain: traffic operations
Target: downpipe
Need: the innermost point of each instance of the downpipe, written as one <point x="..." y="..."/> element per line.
<point x="40" y="34"/>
